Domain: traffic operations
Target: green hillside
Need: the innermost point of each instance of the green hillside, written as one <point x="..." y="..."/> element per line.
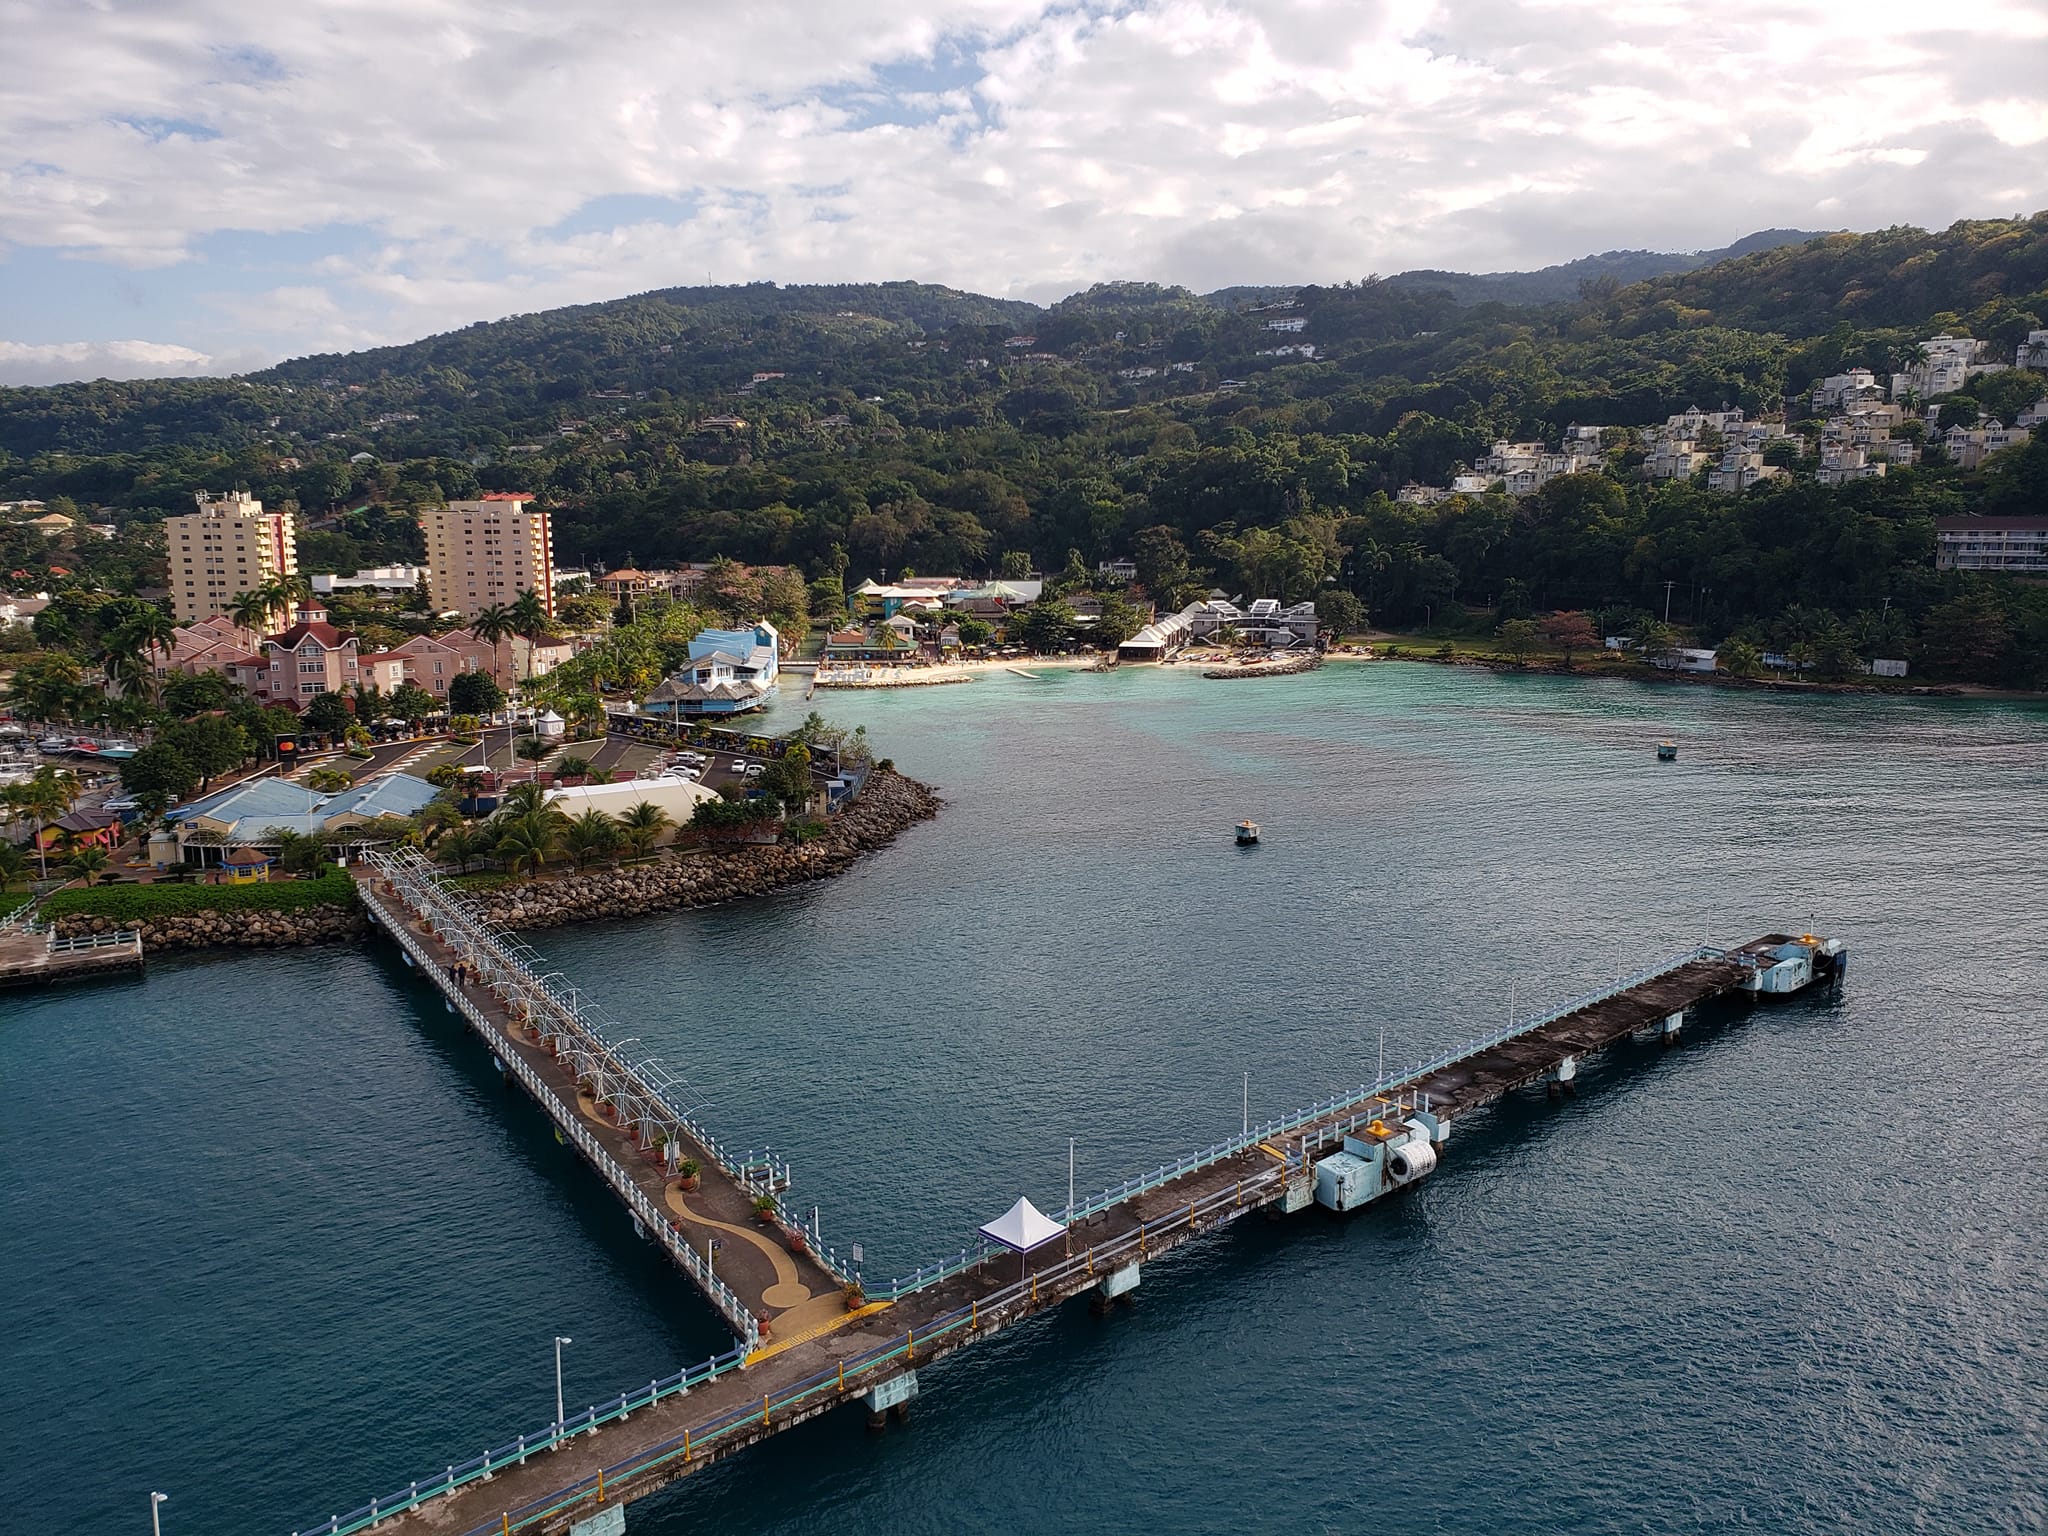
<point x="1255" y="438"/>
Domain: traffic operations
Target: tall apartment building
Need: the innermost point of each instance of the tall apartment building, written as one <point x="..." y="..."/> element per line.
<point x="486" y="552"/>
<point x="228" y="547"/>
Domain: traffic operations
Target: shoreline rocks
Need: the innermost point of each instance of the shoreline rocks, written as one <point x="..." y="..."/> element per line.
<point x="234" y="930"/>
<point x="889" y="805"/>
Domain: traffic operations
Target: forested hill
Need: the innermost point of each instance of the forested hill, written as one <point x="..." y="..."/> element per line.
<point x="1263" y="434"/>
<point x="1567" y="281"/>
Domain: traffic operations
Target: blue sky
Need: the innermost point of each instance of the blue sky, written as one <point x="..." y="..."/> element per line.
<point x="208" y="185"/>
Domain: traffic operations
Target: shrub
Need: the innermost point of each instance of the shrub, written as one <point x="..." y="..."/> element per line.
<point x="139" y="903"/>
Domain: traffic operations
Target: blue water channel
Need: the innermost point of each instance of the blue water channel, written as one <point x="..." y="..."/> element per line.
<point x="274" y="1238"/>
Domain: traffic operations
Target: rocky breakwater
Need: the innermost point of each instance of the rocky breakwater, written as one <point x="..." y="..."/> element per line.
<point x="889" y="804"/>
<point x="233" y="930"/>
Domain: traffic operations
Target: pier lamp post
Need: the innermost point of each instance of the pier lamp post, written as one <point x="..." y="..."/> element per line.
<point x="560" y="1416"/>
<point x="156" y="1500"/>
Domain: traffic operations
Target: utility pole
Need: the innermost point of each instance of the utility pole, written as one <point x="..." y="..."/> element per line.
<point x="1667" y="600"/>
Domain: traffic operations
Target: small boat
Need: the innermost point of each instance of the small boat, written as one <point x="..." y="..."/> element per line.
<point x="1667" y="751"/>
<point x="1247" y="833"/>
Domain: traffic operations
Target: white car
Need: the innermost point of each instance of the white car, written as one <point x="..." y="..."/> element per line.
<point x="755" y="770"/>
<point x="738" y="765"/>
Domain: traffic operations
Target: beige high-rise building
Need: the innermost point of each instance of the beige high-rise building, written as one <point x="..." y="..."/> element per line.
<point x="486" y="552"/>
<point x="228" y="547"/>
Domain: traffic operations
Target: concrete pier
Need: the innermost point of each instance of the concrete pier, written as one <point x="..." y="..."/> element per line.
<point x="871" y="1350"/>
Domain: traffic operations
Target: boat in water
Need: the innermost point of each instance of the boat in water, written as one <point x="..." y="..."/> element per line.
<point x="1247" y="833"/>
<point x="1667" y="751"/>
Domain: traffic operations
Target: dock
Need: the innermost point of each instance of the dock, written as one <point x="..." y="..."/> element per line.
<point x="35" y="954"/>
<point x="805" y="1340"/>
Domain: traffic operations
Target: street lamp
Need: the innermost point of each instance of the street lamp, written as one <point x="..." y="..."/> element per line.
<point x="156" y="1524"/>
<point x="559" y="1414"/>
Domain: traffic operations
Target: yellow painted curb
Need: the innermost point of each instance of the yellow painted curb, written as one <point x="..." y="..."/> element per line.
<point x="818" y="1332"/>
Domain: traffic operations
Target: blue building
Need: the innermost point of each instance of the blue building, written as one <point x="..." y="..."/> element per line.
<point x="730" y="672"/>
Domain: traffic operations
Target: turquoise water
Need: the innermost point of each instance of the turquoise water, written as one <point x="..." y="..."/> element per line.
<point x="276" y="1238"/>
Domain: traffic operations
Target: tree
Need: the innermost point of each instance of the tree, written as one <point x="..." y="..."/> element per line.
<point x="1015" y="565"/>
<point x="1518" y="637"/>
<point x="327" y="713"/>
<point x="1657" y="640"/>
<point x="975" y="632"/>
<point x="1571" y="631"/>
<point x="411" y="703"/>
<point x="157" y="778"/>
<point x="1339" y="612"/>
<point x="593" y="835"/>
<point x="527" y="840"/>
<point x="788" y="779"/>
<point x="532" y="749"/>
<point x="1046" y="626"/>
<point x="642" y="825"/>
<point x="1514" y="599"/>
<point x="185" y="696"/>
<point x="329" y="781"/>
<point x="1739" y="658"/>
<point x="212" y="744"/>
<point x="87" y="864"/>
<point x="1118" y="621"/>
<point x="13" y="865"/>
<point x="252" y="609"/>
<point x="530" y="621"/>
<point x="1967" y="637"/>
<point x="463" y="846"/>
<point x="47" y="794"/>
<point x="50" y="686"/>
<point x="494" y="624"/>
<point x="475" y="693"/>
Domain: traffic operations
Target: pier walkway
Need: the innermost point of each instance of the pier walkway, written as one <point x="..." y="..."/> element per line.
<point x="32" y="953"/>
<point x="795" y="1356"/>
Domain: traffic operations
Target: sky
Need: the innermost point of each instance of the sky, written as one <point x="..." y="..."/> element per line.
<point x="206" y="186"/>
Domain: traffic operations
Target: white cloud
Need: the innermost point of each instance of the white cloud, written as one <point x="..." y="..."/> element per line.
<point x="1015" y="146"/>
<point x="60" y="361"/>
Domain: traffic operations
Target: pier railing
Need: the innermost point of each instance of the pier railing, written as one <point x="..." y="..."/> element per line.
<point x="710" y="1435"/>
<point x="652" y="1102"/>
<point x="1311" y="1128"/>
<point x="652" y="1220"/>
<point x="1335" y="1116"/>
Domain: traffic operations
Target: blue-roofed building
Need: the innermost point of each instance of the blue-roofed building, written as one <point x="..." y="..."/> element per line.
<point x="257" y="812"/>
<point x="730" y="671"/>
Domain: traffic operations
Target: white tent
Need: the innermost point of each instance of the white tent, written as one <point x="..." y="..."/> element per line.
<point x="1022" y="1228"/>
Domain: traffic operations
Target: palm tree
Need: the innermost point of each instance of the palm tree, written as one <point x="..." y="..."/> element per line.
<point x="152" y="630"/>
<point x="46" y="796"/>
<point x="1740" y="659"/>
<point x="527" y="841"/>
<point x="530" y="621"/>
<point x="329" y="780"/>
<point x="463" y="846"/>
<point x="87" y="864"/>
<point x="643" y="825"/>
<point x="590" y="836"/>
<point x="13" y="865"/>
<point x="252" y="609"/>
<point x="523" y="800"/>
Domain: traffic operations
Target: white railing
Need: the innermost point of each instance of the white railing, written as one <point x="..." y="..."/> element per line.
<point x="651" y="1218"/>
<point x="1359" y="1105"/>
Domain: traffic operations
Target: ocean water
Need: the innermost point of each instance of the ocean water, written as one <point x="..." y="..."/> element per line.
<point x="273" y="1237"/>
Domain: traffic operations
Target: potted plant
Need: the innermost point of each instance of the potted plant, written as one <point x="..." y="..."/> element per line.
<point x="764" y="1210"/>
<point x="688" y="1170"/>
<point x="797" y="1243"/>
<point x="854" y="1297"/>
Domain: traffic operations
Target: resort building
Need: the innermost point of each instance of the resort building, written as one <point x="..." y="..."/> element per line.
<point x="730" y="671"/>
<point x="257" y="812"/>
<point x="485" y="553"/>
<point x="390" y="580"/>
<point x="2017" y="545"/>
<point x="311" y="657"/>
<point x="1265" y="622"/>
<point x="228" y="547"/>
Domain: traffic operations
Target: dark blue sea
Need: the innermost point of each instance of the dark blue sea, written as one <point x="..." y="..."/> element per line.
<point x="274" y="1238"/>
